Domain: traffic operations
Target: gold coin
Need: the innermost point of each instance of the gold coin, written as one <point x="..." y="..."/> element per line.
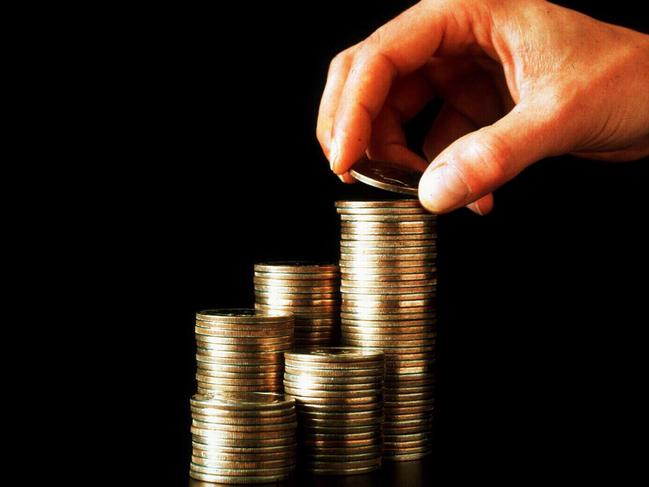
<point x="244" y="381"/>
<point x="241" y="472"/>
<point x="291" y="289"/>
<point x="246" y="334"/>
<point x="379" y="315"/>
<point x="270" y="355"/>
<point x="287" y="277"/>
<point x="280" y="341"/>
<point x="318" y="373"/>
<point x="306" y="284"/>
<point x="210" y="388"/>
<point x="242" y="420"/>
<point x="207" y="449"/>
<point x="207" y="430"/>
<point x="377" y="386"/>
<point x="387" y="331"/>
<point x="296" y="267"/>
<point x="242" y="464"/>
<point x="335" y="401"/>
<point x="388" y="204"/>
<point x="381" y="212"/>
<point x="336" y="395"/>
<point x="383" y="289"/>
<point x="217" y="440"/>
<point x="322" y="311"/>
<point x="243" y="402"/>
<point x="362" y="302"/>
<point x="340" y="423"/>
<point x="279" y="301"/>
<point x="397" y="224"/>
<point x="203" y="477"/>
<point x="281" y="294"/>
<point x="319" y="380"/>
<point x="342" y="355"/>
<point x="242" y="429"/>
<point x="387" y="217"/>
<point x="387" y="279"/>
<point x="243" y="315"/>
<point x="372" y="434"/>
<point x="257" y="455"/>
<point x="391" y="339"/>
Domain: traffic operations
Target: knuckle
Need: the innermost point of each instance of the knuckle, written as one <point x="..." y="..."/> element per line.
<point x="493" y="156"/>
<point x="341" y="59"/>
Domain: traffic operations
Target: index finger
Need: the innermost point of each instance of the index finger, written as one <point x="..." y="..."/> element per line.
<point x="398" y="48"/>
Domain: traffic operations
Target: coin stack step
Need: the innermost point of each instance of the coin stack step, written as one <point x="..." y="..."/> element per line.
<point x="240" y="350"/>
<point x="309" y="291"/>
<point x="388" y="289"/>
<point x="242" y="438"/>
<point x="339" y="404"/>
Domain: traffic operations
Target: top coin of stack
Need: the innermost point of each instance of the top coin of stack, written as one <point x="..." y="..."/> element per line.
<point x="242" y="438"/>
<point x="241" y="350"/>
<point x="309" y="291"/>
<point x="388" y="289"/>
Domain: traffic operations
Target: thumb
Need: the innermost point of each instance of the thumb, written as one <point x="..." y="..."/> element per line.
<point x="477" y="163"/>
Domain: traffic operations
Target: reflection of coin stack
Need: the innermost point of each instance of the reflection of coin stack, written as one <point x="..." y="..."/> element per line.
<point x="241" y="350"/>
<point x="309" y="291"/>
<point x="338" y="400"/>
<point x="242" y="438"/>
<point x="388" y="287"/>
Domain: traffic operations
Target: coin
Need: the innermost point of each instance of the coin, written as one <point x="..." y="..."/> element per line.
<point x="295" y="267"/>
<point x="243" y="315"/>
<point x="386" y="175"/>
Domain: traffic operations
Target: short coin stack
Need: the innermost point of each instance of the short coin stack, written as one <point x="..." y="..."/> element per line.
<point x="338" y="398"/>
<point x="242" y="438"/>
<point x="309" y="291"/>
<point x="388" y="289"/>
<point x="241" y="350"/>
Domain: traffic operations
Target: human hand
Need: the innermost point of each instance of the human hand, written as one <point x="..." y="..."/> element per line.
<point x="521" y="80"/>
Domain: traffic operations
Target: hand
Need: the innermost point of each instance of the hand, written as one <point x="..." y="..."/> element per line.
<point x="521" y="79"/>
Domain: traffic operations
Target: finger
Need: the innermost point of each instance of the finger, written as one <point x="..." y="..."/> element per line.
<point x="482" y="206"/>
<point x="449" y="126"/>
<point x="338" y="70"/>
<point x="396" y="49"/>
<point x="480" y="161"/>
<point x="388" y="141"/>
<point x="347" y="178"/>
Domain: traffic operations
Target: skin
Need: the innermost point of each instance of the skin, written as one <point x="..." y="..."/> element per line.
<point x="521" y="80"/>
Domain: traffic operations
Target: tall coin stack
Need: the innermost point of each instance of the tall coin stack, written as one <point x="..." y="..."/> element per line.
<point x="241" y="350"/>
<point x="309" y="291"/>
<point x="388" y="289"/>
<point x="338" y="398"/>
<point x="242" y="438"/>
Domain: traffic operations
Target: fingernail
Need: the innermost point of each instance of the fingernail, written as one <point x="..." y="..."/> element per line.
<point x="475" y="208"/>
<point x="442" y="188"/>
<point x="333" y="154"/>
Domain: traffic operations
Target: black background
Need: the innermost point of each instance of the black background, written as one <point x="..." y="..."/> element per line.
<point x="542" y="304"/>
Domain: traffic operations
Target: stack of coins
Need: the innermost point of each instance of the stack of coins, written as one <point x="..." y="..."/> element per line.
<point x="309" y="291"/>
<point x="242" y="438"/>
<point x="388" y="289"/>
<point x="241" y="350"/>
<point x="338" y="398"/>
